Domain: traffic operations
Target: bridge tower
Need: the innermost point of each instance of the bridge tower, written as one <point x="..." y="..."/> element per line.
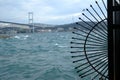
<point x="30" y="19"/>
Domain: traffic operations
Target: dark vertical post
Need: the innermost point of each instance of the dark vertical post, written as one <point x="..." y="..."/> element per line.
<point x="110" y="40"/>
<point x="117" y="39"/>
<point x="114" y="38"/>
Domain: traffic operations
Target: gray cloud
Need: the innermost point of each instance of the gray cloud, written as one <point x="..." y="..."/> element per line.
<point x="45" y="11"/>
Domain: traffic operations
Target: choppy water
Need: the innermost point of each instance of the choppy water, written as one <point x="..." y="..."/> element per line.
<point x="38" y="56"/>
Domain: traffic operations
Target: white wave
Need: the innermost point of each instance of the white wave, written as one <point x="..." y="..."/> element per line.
<point x="17" y="37"/>
<point x="56" y="44"/>
<point x="22" y="37"/>
<point x="26" y="36"/>
<point x="62" y="46"/>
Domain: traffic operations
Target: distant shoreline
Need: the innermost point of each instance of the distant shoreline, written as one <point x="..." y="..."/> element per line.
<point x="4" y="36"/>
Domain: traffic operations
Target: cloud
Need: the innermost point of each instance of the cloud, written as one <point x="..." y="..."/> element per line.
<point x="45" y="11"/>
<point x="59" y="19"/>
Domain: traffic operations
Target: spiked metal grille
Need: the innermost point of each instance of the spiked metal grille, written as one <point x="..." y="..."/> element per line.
<point x="89" y="46"/>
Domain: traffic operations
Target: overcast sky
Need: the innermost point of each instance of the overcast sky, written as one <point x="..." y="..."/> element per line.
<point x="45" y="11"/>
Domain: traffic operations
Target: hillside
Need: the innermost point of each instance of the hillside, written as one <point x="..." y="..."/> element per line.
<point x="40" y="27"/>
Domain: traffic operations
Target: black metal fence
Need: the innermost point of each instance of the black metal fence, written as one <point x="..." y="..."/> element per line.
<point x="90" y="49"/>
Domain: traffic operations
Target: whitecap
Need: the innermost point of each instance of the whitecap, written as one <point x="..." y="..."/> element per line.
<point x="17" y="37"/>
<point x="62" y="46"/>
<point x="26" y="36"/>
<point x="21" y="37"/>
<point x="56" y="44"/>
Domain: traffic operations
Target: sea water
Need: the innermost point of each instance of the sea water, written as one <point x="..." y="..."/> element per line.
<point x="37" y="56"/>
